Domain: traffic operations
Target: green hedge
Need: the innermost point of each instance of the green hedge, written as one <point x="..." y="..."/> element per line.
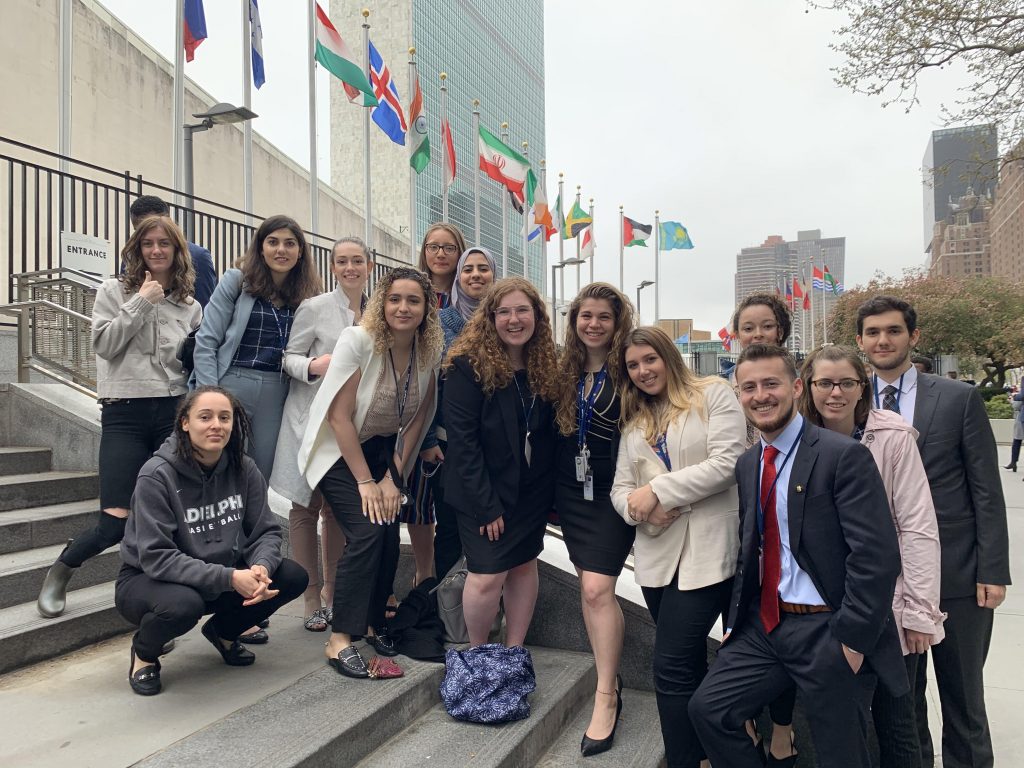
<point x="988" y="393"/>
<point x="999" y="409"/>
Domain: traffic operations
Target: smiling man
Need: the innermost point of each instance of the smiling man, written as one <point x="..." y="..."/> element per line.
<point x="959" y="454"/>
<point x="812" y="598"/>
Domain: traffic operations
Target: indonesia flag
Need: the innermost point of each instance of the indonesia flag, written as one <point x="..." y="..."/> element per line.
<point x="388" y="112"/>
<point x="194" y="27"/>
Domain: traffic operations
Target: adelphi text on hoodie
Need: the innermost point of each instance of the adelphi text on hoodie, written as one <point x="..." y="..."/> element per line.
<point x="192" y="527"/>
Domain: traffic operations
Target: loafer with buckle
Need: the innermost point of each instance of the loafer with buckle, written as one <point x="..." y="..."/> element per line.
<point x="259" y="637"/>
<point x="382" y="643"/>
<point x="350" y="663"/>
<point x="145" y="681"/>
<point x="235" y="655"/>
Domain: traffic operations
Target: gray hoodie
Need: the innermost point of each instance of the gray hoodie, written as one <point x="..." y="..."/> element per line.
<point x="187" y="527"/>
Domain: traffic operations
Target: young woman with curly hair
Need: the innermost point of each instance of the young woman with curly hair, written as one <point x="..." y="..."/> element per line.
<point x="139" y="321"/>
<point x="675" y="481"/>
<point x="365" y="427"/>
<point x="592" y="375"/>
<point x="499" y="394"/>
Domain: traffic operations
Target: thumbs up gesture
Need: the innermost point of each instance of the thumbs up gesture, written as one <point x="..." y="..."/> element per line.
<point x="151" y="290"/>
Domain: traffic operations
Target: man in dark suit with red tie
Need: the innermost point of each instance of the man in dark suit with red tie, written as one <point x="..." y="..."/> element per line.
<point x="812" y="598"/>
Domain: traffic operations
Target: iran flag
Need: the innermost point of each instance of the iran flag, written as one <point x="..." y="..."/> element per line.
<point x="503" y="164"/>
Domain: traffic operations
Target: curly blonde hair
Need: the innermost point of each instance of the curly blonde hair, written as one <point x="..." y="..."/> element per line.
<point x="574" y="353"/>
<point x="479" y="343"/>
<point x="428" y="334"/>
<point x="183" y="274"/>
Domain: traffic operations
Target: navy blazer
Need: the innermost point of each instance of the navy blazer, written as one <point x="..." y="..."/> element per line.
<point x="843" y="537"/>
<point x="206" y="274"/>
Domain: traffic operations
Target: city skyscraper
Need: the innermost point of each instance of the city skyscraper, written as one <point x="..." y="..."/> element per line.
<point x="954" y="160"/>
<point x="491" y="51"/>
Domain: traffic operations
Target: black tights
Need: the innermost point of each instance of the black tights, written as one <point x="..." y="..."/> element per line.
<point x="109" y="530"/>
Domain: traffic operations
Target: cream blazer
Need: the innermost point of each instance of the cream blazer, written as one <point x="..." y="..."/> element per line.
<point x="353" y="352"/>
<point x="702" y="544"/>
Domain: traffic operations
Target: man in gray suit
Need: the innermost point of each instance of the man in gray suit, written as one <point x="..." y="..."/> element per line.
<point x="959" y="454"/>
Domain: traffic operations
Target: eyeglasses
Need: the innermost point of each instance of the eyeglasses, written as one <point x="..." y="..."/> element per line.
<point x="847" y="385"/>
<point x="448" y="248"/>
<point x="506" y="313"/>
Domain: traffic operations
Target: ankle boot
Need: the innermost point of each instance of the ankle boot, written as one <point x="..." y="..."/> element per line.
<point x="53" y="595"/>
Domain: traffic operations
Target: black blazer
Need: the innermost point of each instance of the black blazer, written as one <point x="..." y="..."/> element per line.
<point x="960" y="459"/>
<point x="483" y="463"/>
<point x="842" y="534"/>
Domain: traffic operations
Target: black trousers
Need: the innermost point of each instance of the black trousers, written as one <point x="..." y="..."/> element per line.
<point x="753" y="668"/>
<point x="899" y="745"/>
<point x="366" y="570"/>
<point x="447" y="544"/>
<point x="163" y="610"/>
<point x="959" y="662"/>
<point x="683" y="618"/>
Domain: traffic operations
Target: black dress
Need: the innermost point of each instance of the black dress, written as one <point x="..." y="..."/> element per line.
<point x="598" y="539"/>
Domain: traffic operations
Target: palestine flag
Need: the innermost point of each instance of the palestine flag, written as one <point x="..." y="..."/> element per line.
<point x="635" y="233"/>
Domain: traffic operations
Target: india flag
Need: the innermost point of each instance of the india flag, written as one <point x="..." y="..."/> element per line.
<point x="504" y="164"/>
<point x="419" y="142"/>
<point x="336" y="58"/>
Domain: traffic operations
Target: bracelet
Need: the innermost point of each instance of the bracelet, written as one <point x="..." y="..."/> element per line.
<point x="364" y="482"/>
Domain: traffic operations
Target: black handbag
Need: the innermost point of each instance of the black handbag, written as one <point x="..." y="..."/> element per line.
<point x="186" y="352"/>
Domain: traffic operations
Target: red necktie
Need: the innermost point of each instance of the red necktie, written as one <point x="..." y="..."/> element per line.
<point x="772" y="555"/>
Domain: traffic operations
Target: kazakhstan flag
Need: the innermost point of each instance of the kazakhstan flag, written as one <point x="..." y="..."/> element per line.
<point x="674" y="235"/>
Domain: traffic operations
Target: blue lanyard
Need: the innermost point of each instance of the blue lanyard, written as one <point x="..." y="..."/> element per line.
<point x="661" y="448"/>
<point x="771" y="490"/>
<point x="282" y="330"/>
<point x="899" y="391"/>
<point x="585" y="405"/>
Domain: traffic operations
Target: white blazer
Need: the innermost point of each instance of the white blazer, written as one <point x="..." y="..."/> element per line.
<point x="702" y="544"/>
<point x="353" y="352"/>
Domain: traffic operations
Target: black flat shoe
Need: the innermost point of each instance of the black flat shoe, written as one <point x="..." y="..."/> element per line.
<point x="590" y="747"/>
<point x="784" y="762"/>
<point x="235" y="655"/>
<point x="146" y="681"/>
<point x="350" y="663"/>
<point x="263" y="624"/>
<point x="383" y="644"/>
<point x="259" y="637"/>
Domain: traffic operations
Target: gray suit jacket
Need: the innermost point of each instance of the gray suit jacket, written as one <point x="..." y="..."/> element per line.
<point x="959" y="454"/>
<point x="224" y="322"/>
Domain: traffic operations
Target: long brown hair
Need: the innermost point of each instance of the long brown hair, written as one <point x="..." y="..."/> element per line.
<point x="834" y="353"/>
<point x="240" y="427"/>
<point x="183" y="274"/>
<point x="302" y="282"/>
<point x="428" y="334"/>
<point x="480" y="344"/>
<point x="684" y="390"/>
<point x="457" y="236"/>
<point x="574" y="353"/>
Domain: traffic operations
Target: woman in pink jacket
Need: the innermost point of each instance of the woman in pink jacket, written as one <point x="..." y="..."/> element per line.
<point x="837" y="396"/>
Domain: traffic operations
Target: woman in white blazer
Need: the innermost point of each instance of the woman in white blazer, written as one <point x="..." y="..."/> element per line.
<point x="318" y="323"/>
<point x="674" y="479"/>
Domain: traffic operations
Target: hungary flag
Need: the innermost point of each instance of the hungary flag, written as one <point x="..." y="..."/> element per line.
<point x="505" y="165"/>
<point x="635" y="233"/>
<point x="337" y="59"/>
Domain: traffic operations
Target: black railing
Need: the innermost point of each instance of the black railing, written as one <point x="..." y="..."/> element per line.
<point x="42" y="200"/>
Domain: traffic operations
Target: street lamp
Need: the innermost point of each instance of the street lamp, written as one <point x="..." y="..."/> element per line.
<point x="554" y="301"/>
<point x="218" y="114"/>
<point x="639" y="288"/>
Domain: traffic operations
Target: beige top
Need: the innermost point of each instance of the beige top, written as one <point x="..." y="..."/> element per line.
<point x="382" y="415"/>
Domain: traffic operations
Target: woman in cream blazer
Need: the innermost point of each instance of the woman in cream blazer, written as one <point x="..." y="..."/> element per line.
<point x="675" y="480"/>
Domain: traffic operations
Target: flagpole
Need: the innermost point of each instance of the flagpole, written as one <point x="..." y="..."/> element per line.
<point x="811" y="302"/>
<point x="561" y="242"/>
<point x="657" y="264"/>
<point x="314" y="182"/>
<point x="504" y="213"/>
<point x="476" y="171"/>
<point x="543" y="232"/>
<point x="824" y="301"/>
<point x="64" y="88"/>
<point x="412" y="171"/>
<point x="622" y="251"/>
<point x="247" y="103"/>
<point x="178" y="126"/>
<point x="368" y="208"/>
<point x="593" y="242"/>
<point x="444" y="177"/>
<point x="577" y="245"/>
<point x="526" y="222"/>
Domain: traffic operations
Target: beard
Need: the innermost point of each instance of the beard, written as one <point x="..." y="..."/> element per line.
<point x="778" y="423"/>
<point x="889" y="366"/>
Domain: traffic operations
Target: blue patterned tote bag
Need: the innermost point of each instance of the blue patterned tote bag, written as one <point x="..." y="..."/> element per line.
<point x="488" y="683"/>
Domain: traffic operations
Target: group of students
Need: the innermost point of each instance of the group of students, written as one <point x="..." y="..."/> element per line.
<point x="440" y="400"/>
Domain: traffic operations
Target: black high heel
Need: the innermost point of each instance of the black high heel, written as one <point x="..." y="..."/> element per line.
<point x="590" y="747"/>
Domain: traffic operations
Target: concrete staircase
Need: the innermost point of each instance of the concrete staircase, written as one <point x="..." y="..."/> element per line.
<point x="40" y="509"/>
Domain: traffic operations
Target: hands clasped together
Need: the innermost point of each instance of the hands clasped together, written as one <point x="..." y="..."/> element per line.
<point x="644" y="507"/>
<point x="381" y="501"/>
<point x="253" y="584"/>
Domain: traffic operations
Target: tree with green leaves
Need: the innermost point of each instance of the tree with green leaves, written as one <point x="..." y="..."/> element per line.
<point x="983" y="317"/>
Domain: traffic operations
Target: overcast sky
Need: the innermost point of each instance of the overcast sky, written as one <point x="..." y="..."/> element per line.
<point x="722" y="115"/>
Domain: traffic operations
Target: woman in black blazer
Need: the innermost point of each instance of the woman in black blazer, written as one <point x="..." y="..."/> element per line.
<point x="498" y="396"/>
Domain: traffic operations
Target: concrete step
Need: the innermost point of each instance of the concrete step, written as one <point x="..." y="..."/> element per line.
<point x="565" y="681"/>
<point x="26" y="637"/>
<point x="22" y="573"/>
<point x="41" y="488"/>
<point x="324" y="719"/>
<point x="43" y="526"/>
<point x="22" y="461"/>
<point x="638" y="742"/>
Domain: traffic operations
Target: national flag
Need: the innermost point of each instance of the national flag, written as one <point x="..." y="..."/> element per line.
<point x="450" y="164"/>
<point x="789" y="295"/>
<point x="517" y="202"/>
<point x="566" y="235"/>
<point x="559" y="224"/>
<point x="504" y="164"/>
<point x="193" y="27"/>
<point x="541" y="212"/>
<point x="531" y="227"/>
<point x="830" y="283"/>
<point x="587" y="246"/>
<point x="684" y="339"/>
<point x="727" y="339"/>
<point x="336" y="58"/>
<point x="817" y="280"/>
<point x="674" y="235"/>
<point x="419" y="142"/>
<point x="798" y="293"/>
<point x="635" y="233"/>
<point x="256" y="41"/>
<point x="575" y="222"/>
<point x="388" y="113"/>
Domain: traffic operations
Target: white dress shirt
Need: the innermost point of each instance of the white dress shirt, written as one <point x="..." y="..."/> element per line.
<point x="906" y="383"/>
